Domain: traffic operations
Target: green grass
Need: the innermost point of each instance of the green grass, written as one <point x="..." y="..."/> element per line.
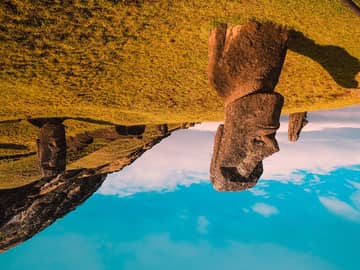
<point x="101" y="153"/>
<point x="18" y="133"/>
<point x="101" y="63"/>
<point x="116" y="153"/>
<point x="17" y="171"/>
<point x="146" y="63"/>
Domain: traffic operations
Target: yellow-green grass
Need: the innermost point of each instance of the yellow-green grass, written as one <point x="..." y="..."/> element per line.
<point x="119" y="151"/>
<point x="20" y="166"/>
<point x="115" y="155"/>
<point x="15" y="173"/>
<point x="146" y="63"/>
<point x="20" y="133"/>
<point x="23" y="134"/>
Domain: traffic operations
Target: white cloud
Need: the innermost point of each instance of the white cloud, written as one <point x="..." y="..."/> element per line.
<point x="181" y="159"/>
<point x="265" y="210"/>
<point x="320" y="120"/>
<point x="318" y="126"/>
<point x="207" y="126"/>
<point x="184" y="158"/>
<point x="317" y="152"/>
<point x="340" y="208"/>
<point x="149" y="253"/>
<point x="310" y="127"/>
<point x="202" y="225"/>
<point x="258" y="191"/>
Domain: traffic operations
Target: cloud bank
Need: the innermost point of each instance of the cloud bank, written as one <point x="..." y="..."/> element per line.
<point x="184" y="158"/>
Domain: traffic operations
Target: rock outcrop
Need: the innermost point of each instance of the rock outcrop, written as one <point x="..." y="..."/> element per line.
<point x="297" y="121"/>
<point x="27" y="210"/>
<point x="244" y="66"/>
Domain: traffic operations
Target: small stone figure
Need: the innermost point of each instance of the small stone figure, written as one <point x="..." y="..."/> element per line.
<point x="52" y="148"/>
<point x="163" y="128"/>
<point x="297" y="121"/>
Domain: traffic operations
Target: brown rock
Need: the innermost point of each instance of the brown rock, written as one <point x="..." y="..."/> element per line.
<point x="52" y="149"/>
<point x="27" y="210"/>
<point x="245" y="139"/>
<point x="296" y="123"/>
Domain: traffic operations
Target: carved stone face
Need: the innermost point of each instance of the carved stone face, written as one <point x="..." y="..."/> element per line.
<point x="257" y="147"/>
<point x="52" y="149"/>
<point x="246" y="138"/>
<point x="244" y="67"/>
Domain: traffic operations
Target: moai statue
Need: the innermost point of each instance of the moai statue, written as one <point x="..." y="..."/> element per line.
<point x="163" y="128"/>
<point x="244" y="67"/>
<point x="52" y="148"/>
<point x="297" y="121"/>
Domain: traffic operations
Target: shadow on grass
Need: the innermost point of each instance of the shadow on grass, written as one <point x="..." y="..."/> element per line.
<point x="16" y="157"/>
<point x="41" y="121"/>
<point x="13" y="146"/>
<point x="342" y="66"/>
<point x="90" y="120"/>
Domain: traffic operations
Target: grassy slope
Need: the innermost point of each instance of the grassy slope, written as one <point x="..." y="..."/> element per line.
<point x="135" y="64"/>
<point x="115" y="154"/>
<point x="18" y="171"/>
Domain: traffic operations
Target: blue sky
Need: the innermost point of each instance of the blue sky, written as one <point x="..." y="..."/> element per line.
<point x="197" y="227"/>
<point x="162" y="213"/>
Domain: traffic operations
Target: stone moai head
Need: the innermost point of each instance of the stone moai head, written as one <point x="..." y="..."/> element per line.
<point x="244" y="67"/>
<point x="246" y="138"/>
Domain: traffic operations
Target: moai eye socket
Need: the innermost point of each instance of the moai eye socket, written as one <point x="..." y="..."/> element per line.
<point x="258" y="141"/>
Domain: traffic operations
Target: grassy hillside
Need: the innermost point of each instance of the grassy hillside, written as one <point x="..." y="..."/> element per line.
<point x="18" y="160"/>
<point x="103" y="154"/>
<point x="146" y="62"/>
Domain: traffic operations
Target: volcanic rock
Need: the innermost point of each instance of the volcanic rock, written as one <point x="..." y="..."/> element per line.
<point x="297" y="121"/>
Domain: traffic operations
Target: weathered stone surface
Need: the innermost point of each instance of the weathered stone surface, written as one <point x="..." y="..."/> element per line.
<point x="296" y="123"/>
<point x="245" y="59"/>
<point x="244" y="67"/>
<point x="52" y="149"/>
<point x="245" y="139"/>
<point x="27" y="210"/>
